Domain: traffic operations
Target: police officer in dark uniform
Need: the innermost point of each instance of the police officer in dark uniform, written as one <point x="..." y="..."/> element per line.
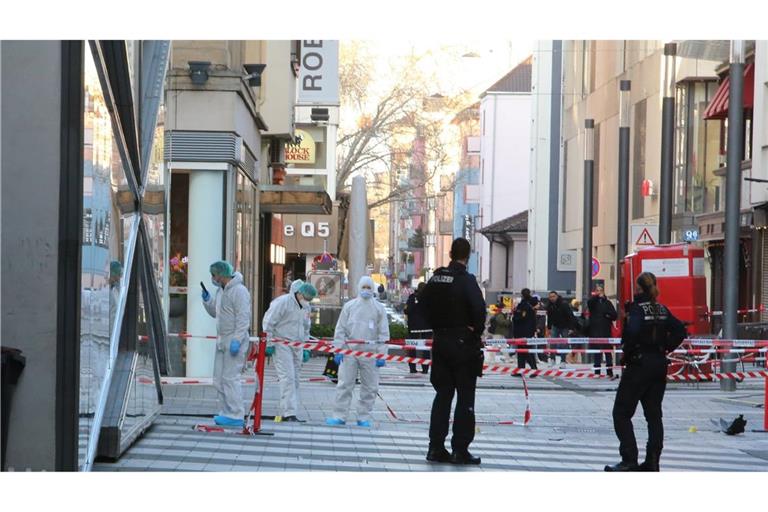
<point x="650" y="332"/>
<point x="455" y="309"/>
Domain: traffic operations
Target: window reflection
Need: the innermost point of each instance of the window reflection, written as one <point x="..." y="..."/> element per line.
<point x="102" y="279"/>
<point x="245" y="225"/>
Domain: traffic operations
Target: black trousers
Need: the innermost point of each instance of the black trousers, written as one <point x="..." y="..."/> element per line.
<point x="597" y="359"/>
<point x="644" y="380"/>
<point x="454" y="372"/>
<point x="424" y="354"/>
<point x="526" y="358"/>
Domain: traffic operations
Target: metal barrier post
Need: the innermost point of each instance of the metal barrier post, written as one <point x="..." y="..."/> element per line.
<point x="258" y="396"/>
<point x="765" y="405"/>
<point x="260" y="376"/>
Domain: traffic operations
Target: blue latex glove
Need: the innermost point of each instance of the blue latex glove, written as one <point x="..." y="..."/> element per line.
<point x="338" y="358"/>
<point x="305" y="356"/>
<point x="234" y="347"/>
<point x="206" y="296"/>
<point x="380" y="363"/>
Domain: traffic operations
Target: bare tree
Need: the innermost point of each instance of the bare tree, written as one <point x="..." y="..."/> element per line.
<point x="381" y="143"/>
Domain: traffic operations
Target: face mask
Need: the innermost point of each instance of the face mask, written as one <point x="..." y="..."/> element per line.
<point x="366" y="294"/>
<point x="215" y="283"/>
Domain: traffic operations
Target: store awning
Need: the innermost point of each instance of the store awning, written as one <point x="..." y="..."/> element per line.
<point x="718" y="107"/>
<point x="294" y="199"/>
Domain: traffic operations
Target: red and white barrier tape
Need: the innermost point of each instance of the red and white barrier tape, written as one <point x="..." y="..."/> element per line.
<point x="567" y="374"/>
<point x="527" y="415"/>
<point x="322" y="346"/>
<point x="759" y="309"/>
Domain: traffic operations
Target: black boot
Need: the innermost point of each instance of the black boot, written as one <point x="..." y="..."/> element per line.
<point x="651" y="462"/>
<point x="623" y="466"/>
<point x="464" y="457"/>
<point x="438" y="454"/>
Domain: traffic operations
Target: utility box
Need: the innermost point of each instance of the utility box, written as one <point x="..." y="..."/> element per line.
<point x="679" y="271"/>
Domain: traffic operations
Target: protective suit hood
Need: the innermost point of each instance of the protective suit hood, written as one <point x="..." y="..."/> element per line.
<point x="366" y="281"/>
<point x="237" y="278"/>
<point x="296" y="285"/>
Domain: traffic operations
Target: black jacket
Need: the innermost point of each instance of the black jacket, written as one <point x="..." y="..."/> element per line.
<point x="452" y="300"/>
<point x="601" y="316"/>
<point x="524" y="320"/>
<point x="417" y="320"/>
<point x="651" y="328"/>
<point x="560" y="314"/>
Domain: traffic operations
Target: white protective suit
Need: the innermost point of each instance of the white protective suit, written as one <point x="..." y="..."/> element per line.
<point x="286" y="318"/>
<point x="360" y="319"/>
<point x="231" y="307"/>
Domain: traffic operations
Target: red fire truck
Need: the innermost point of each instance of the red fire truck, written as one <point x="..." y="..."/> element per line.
<point x="679" y="271"/>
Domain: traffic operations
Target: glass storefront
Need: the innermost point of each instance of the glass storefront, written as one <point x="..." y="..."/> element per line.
<point x="121" y="332"/>
<point x="697" y="150"/>
<point x="246" y="211"/>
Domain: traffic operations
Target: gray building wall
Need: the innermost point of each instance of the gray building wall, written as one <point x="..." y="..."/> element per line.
<point x="30" y="95"/>
<point x="558" y="280"/>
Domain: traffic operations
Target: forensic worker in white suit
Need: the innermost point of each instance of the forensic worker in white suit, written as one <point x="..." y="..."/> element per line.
<point x="288" y="319"/>
<point x="231" y="307"/>
<point x="363" y="318"/>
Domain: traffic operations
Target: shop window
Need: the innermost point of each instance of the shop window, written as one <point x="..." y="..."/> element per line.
<point x="699" y="145"/>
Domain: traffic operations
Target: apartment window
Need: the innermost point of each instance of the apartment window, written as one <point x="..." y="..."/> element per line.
<point x="638" y="160"/>
<point x="698" y="149"/>
<point x="681" y="148"/>
<point x="584" y="85"/>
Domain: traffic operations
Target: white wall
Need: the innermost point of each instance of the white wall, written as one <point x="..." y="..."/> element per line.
<point x="538" y="213"/>
<point x="504" y="161"/>
<point x="518" y="266"/>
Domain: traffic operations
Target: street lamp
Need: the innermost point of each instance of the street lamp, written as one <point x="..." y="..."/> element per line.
<point x="667" y="145"/>
<point x="589" y="170"/>
<point x="623" y="206"/>
<point x="732" y="204"/>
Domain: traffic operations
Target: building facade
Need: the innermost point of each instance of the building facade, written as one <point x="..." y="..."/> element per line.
<point x="592" y="71"/>
<point x="231" y="116"/>
<point x="84" y="246"/>
<point x="505" y="123"/>
<point x="550" y="267"/>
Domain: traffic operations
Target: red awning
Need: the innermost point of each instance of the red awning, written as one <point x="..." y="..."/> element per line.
<point x="718" y="107"/>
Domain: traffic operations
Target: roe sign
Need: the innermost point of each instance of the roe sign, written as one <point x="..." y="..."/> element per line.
<point x="319" y="73"/>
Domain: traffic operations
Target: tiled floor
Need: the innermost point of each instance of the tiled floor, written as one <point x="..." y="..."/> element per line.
<point x="571" y="430"/>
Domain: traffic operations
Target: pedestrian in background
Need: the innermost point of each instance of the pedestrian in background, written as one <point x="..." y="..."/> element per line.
<point x="500" y="325"/>
<point x="601" y="317"/>
<point x="651" y="332"/>
<point x="524" y="325"/>
<point x="456" y="312"/>
<point x="231" y="307"/>
<point x="418" y="327"/>
<point x="560" y="320"/>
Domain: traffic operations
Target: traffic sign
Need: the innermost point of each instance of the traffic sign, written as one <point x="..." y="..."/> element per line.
<point x="644" y="235"/>
<point x="595" y="267"/>
<point x="645" y="238"/>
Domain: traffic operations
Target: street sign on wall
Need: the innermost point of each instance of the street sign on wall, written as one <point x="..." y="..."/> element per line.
<point x="643" y="235"/>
